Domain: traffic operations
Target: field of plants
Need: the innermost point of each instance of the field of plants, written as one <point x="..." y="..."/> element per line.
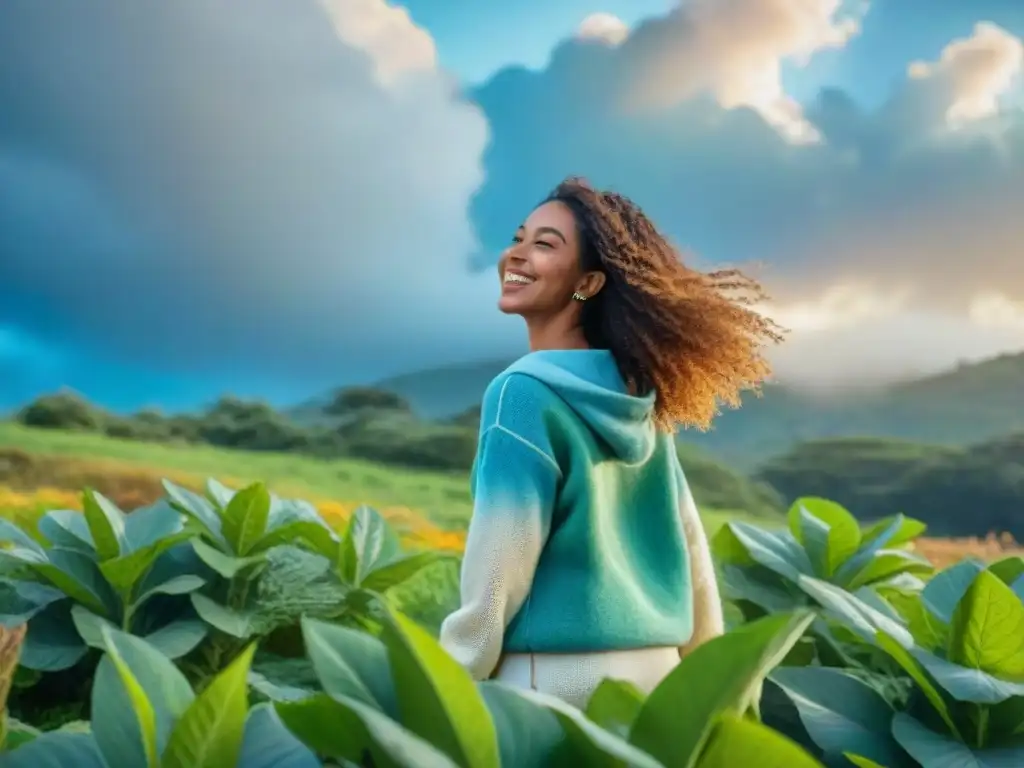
<point x="284" y="614"/>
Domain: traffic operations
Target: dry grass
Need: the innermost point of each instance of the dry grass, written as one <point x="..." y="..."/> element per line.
<point x="945" y="552"/>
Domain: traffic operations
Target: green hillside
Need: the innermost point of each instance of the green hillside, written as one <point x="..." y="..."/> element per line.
<point x="973" y="403"/>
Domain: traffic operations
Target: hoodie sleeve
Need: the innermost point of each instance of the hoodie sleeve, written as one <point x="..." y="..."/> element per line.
<point x="708" y="620"/>
<point x="515" y="483"/>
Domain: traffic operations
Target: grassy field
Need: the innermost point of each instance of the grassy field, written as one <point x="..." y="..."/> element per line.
<point x="64" y="462"/>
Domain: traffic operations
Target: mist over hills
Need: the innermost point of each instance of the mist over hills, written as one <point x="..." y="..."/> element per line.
<point x="968" y="404"/>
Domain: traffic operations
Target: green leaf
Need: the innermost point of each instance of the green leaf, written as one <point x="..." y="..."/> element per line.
<point x="987" y="631"/>
<point x="918" y="674"/>
<point x="235" y="623"/>
<point x="729" y="550"/>
<point x="722" y="675"/>
<point x="437" y="699"/>
<point x="737" y="741"/>
<point x="219" y="493"/>
<point x="76" y="575"/>
<point x="245" y="518"/>
<point x="227" y="566"/>
<point x="614" y="706"/>
<point x="775" y="550"/>
<point x="591" y="745"/>
<point x="935" y="750"/>
<point x="946" y="588"/>
<point x="124" y="721"/>
<point x="166" y="690"/>
<point x="896" y="530"/>
<point x="302" y="533"/>
<point x="124" y="572"/>
<point x="869" y="548"/>
<point x="196" y="508"/>
<point x="888" y="563"/>
<point x="21" y="600"/>
<point x="209" y="733"/>
<point x="395" y="572"/>
<point x="350" y="663"/>
<point x="67" y="528"/>
<point x="840" y="712"/>
<point x="349" y="730"/>
<point x="862" y="762"/>
<point x="966" y="684"/>
<point x="52" y="643"/>
<point x="11" y="533"/>
<point x="1009" y="569"/>
<point x="837" y="531"/>
<point x="761" y="587"/>
<point x="106" y="524"/>
<point x="148" y="525"/>
<point x="178" y="638"/>
<point x="268" y="744"/>
<point x="369" y="542"/>
<point x="528" y="734"/>
<point x="854" y="613"/>
<point x="57" y="749"/>
<point x="90" y="626"/>
<point x="178" y="585"/>
<point x="927" y="630"/>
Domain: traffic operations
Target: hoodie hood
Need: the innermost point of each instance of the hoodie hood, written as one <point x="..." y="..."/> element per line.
<point x="589" y="382"/>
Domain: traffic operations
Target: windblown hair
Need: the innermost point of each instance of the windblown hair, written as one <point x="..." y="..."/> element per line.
<point x="693" y="338"/>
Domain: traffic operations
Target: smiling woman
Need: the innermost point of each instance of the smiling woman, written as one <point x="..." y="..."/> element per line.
<point x="585" y="556"/>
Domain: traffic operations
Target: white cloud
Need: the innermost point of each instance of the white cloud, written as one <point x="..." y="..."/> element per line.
<point x="604" y="27"/>
<point x="976" y="72"/>
<point x="736" y="48"/>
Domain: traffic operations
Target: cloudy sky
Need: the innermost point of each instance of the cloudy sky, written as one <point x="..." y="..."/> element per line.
<point x="273" y="197"/>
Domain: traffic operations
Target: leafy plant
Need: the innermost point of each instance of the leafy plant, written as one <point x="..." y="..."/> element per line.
<point x="99" y="568"/>
<point x="400" y="700"/>
<point x="146" y="714"/>
<point x="962" y="645"/>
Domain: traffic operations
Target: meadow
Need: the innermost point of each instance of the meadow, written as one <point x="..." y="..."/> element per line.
<point x="296" y="616"/>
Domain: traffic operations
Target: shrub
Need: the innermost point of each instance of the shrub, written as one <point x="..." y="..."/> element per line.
<point x="64" y="410"/>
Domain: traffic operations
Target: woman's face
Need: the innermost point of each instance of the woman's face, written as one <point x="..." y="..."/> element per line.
<point x="541" y="269"/>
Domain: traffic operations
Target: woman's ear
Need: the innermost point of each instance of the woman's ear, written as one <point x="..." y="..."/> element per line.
<point x="591" y="284"/>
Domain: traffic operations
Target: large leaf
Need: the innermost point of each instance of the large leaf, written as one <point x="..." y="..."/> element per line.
<point x="854" y="613"/>
<point x="77" y="576"/>
<point x="106" y="524"/>
<point x="197" y="508"/>
<point x="229" y="621"/>
<point x="178" y="585"/>
<point x="397" y="571"/>
<point x="124" y="720"/>
<point x="590" y="744"/>
<point x="1009" y="569"/>
<point x="167" y="691"/>
<point x="935" y="750"/>
<point x="987" y="631"/>
<point x="310" y="534"/>
<point x="870" y="547"/>
<point x="840" y="712"/>
<point x="919" y="675"/>
<point x="888" y="563"/>
<point x="21" y="600"/>
<point x="614" y="705"/>
<point x="57" y="749"/>
<point x="837" y="531"/>
<point x="52" y="642"/>
<point x="907" y="530"/>
<point x="966" y="684"/>
<point x="9" y="532"/>
<point x="437" y="698"/>
<point x="178" y="638"/>
<point x="776" y="550"/>
<point x="762" y="587"/>
<point x="528" y="733"/>
<point x="209" y="733"/>
<point x="722" y="675"/>
<point x="927" y="629"/>
<point x="351" y="664"/>
<point x="737" y="741"/>
<point x="245" y="518"/>
<point x="369" y="542"/>
<point x="67" y="528"/>
<point x="226" y="565"/>
<point x="349" y="730"/>
<point x="268" y="744"/>
<point x="123" y="573"/>
<point x="947" y="587"/>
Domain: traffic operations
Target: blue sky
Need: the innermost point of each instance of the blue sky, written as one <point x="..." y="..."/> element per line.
<point x="274" y="197"/>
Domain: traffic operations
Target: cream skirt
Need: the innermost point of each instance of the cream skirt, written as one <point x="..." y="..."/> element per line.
<point x="574" y="677"/>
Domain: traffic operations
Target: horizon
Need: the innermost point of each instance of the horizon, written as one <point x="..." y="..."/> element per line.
<point x="215" y="219"/>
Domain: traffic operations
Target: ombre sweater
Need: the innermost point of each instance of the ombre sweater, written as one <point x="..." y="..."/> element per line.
<point x="584" y="536"/>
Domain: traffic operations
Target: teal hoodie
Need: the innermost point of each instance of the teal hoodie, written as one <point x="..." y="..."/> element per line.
<point x="579" y="536"/>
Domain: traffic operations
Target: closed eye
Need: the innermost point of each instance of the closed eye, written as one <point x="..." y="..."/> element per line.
<point x="545" y="244"/>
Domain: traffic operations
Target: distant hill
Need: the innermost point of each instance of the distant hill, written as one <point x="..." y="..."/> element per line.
<point x="970" y="404"/>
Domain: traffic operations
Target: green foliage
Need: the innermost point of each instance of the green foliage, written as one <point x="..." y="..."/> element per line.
<point x="64" y="410"/>
<point x="768" y="570"/>
<point x="961" y="643"/>
<point x="100" y="568"/>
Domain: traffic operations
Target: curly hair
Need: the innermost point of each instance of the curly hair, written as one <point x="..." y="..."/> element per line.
<point x="691" y="337"/>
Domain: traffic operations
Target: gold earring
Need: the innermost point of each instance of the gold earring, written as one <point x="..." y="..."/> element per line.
<point x="578" y="296"/>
